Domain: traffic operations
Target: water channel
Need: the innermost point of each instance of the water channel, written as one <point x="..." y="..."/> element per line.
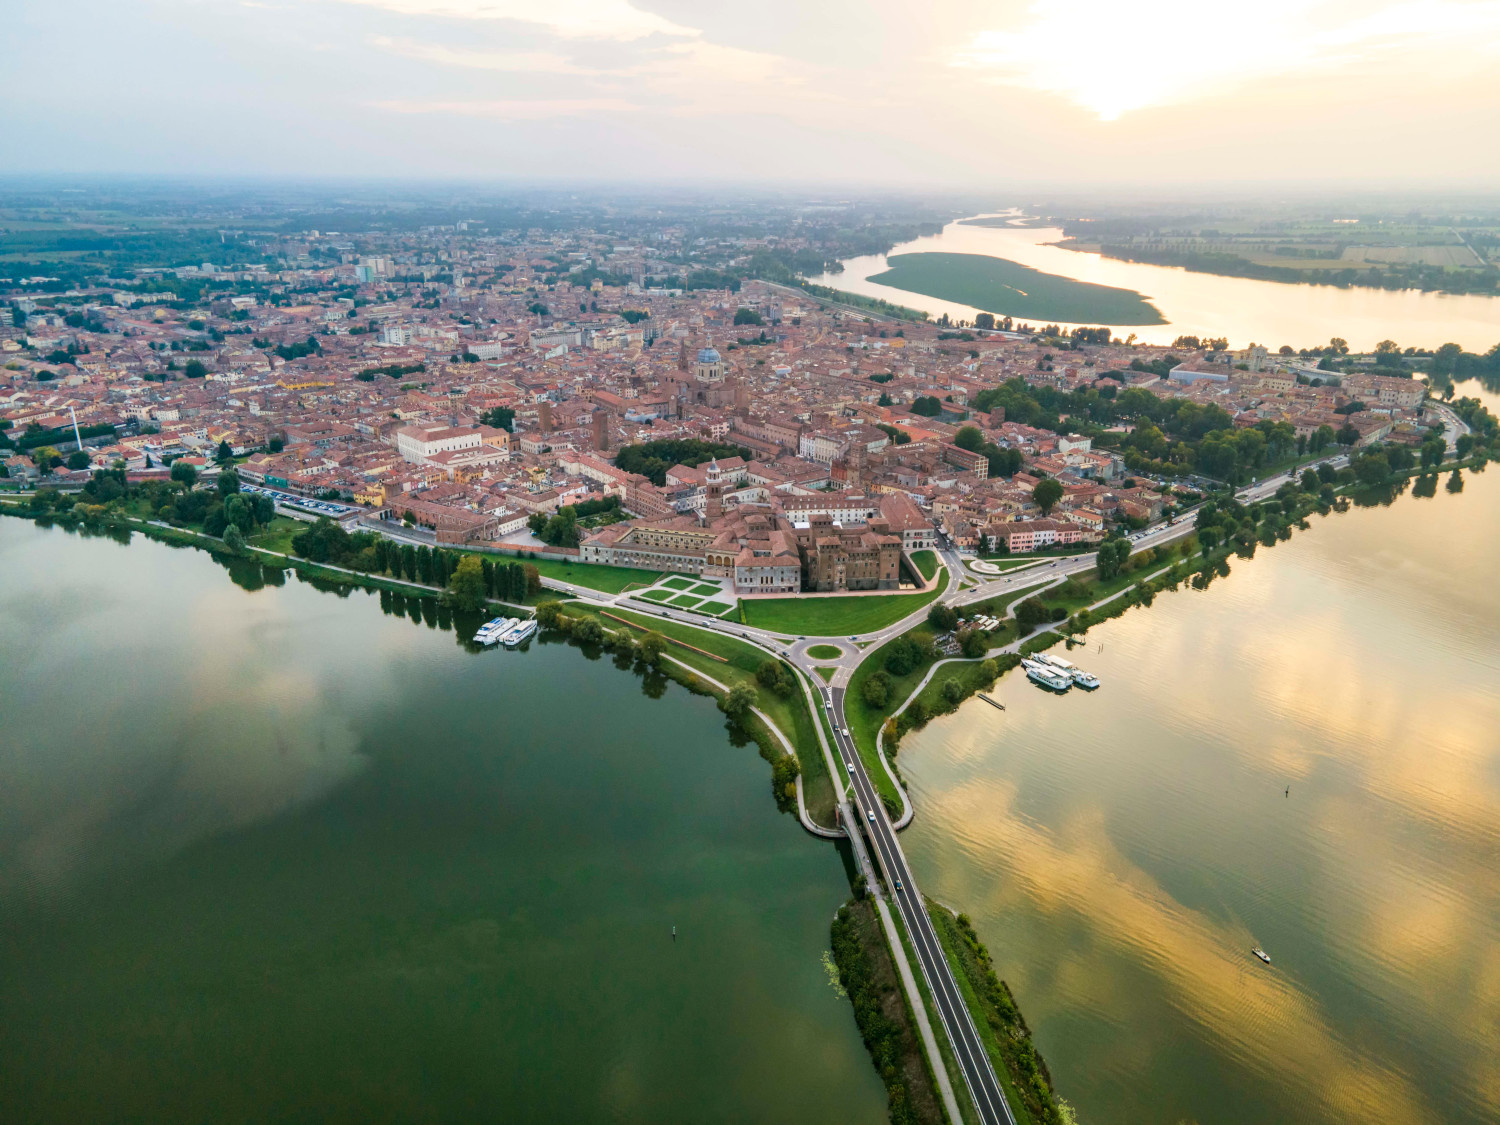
<point x="276" y="855"/>
<point x="1199" y="304"/>
<point x="1304" y="756"/>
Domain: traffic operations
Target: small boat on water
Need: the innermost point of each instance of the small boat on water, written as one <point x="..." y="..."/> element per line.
<point x="992" y="701"/>
<point x="518" y="634"/>
<point x="1262" y="954"/>
<point x="1040" y="672"/>
<point x="491" y="631"/>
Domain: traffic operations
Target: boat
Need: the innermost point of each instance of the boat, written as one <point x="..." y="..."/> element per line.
<point x="520" y="633"/>
<point x="1262" y="954"/>
<point x="491" y="631"/>
<point x="992" y="702"/>
<point x="1039" y="671"/>
<point x="1074" y="673"/>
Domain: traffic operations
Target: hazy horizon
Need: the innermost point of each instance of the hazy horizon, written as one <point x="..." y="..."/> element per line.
<point x="959" y="95"/>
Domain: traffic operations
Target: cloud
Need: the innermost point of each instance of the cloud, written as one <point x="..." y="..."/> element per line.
<point x="515" y="62"/>
<point x="574" y="19"/>
<point x="513" y="109"/>
<point x="1113" y="58"/>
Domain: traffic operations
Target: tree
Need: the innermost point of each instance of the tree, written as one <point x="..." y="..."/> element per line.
<point x="533" y="579"/>
<point x="78" y="459"/>
<point x="773" y="675"/>
<point x="1432" y="453"/>
<point x="1031" y="613"/>
<point x="1046" y="494"/>
<point x="876" y="690"/>
<point x="738" y="701"/>
<point x="1112" y="557"/>
<point x="467" y="584"/>
<point x="984" y="320"/>
<point x="653" y="644"/>
<point x="970" y="438"/>
<point x="501" y="418"/>
<point x="1347" y="435"/>
<point x="952" y="691"/>
<point x="225" y="453"/>
<point x="184" y="474"/>
<point x="928" y="406"/>
<point x="885" y="400"/>
<point x="1373" y="468"/>
<point x="276" y="444"/>
<point x="548" y="614"/>
<point x="194" y="369"/>
<point x="234" y="538"/>
<point x="1309" y="481"/>
<point x="46" y="458"/>
<point x="240" y="512"/>
<point x="747" y="316"/>
<point x="973" y="644"/>
<point x="228" y="482"/>
<point x="943" y="618"/>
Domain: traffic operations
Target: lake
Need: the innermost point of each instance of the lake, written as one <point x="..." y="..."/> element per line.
<point x="1304" y="756"/>
<point x="1200" y="304"/>
<point x="277" y="855"/>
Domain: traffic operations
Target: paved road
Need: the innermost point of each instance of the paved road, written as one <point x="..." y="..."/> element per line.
<point x="968" y="1049"/>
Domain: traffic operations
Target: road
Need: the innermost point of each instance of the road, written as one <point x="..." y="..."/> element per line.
<point x="968" y="1049"/>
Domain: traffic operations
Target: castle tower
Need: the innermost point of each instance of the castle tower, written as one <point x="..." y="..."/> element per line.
<point x="713" y="507"/>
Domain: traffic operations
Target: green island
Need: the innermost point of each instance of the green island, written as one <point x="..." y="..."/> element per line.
<point x="1008" y="288"/>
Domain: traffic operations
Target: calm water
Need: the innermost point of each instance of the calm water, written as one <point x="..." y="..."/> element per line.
<point x="1121" y="852"/>
<point x="1200" y="304"/>
<point x="279" y="856"/>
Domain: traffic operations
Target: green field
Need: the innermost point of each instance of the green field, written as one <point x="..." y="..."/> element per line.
<point x="926" y="562"/>
<point x="835" y="615"/>
<point x="686" y="601"/>
<point x="717" y="609"/>
<point x="678" y="583"/>
<point x="707" y="590"/>
<point x="609" y="579"/>
<point x="1011" y="289"/>
<point x="825" y="652"/>
<point x="657" y="595"/>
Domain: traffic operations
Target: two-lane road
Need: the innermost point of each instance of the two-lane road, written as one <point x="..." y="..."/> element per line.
<point x="968" y="1049"/>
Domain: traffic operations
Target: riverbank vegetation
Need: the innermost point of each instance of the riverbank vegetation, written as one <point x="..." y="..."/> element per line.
<point x="867" y="973"/>
<point x="1020" y="1067"/>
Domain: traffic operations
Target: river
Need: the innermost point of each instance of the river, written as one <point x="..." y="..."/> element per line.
<point x="276" y="855"/>
<point x="1199" y="304"/>
<point x="1303" y="756"/>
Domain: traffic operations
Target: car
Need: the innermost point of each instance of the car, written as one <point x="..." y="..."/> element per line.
<point x="898" y="884"/>
<point x="854" y="636"/>
<point x="828" y="703"/>
<point x="848" y="763"/>
<point x="871" y="815"/>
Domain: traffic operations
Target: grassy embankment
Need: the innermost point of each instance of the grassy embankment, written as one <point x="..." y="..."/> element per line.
<point x="927" y="563"/>
<point x="1020" y="1068"/>
<point x="741" y="661"/>
<point x="867" y="972"/>
<point x="834" y="615"/>
<point x="1011" y="289"/>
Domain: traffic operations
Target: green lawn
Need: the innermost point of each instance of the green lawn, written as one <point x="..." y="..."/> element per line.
<point x="1008" y="563"/>
<point x="678" y="583"/>
<point x="277" y="535"/>
<point x="707" y="590"/>
<point x="657" y="595"/>
<point x="927" y="563"/>
<point x="717" y="609"/>
<point x="825" y="652"/>
<point x="686" y="601"/>
<point x="834" y="615"/>
<point x="609" y="579"/>
<point x="1011" y="289"/>
<point x="826" y="673"/>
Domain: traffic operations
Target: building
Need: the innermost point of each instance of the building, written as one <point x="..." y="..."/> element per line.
<point x="417" y="443"/>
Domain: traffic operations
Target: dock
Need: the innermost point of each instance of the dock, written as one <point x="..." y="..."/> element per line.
<point x="991" y="701"/>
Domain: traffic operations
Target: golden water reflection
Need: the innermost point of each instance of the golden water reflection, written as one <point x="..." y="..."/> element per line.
<point x="1122" y="851"/>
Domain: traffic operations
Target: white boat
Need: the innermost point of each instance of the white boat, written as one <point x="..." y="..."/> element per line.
<point x="519" y="633"/>
<point x="491" y="631"/>
<point x="1041" y="672"/>
<point x="1074" y="673"/>
<point x="1262" y="954"/>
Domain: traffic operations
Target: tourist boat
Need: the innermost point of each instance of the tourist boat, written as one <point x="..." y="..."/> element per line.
<point x="519" y="633"/>
<point x="1074" y="673"/>
<point x="491" y="631"/>
<point x="1262" y="954"/>
<point x="1041" y="672"/>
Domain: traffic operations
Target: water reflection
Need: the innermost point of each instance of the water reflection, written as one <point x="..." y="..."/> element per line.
<point x="1303" y="757"/>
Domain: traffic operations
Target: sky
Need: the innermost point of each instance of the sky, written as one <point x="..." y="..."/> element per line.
<point x="954" y="93"/>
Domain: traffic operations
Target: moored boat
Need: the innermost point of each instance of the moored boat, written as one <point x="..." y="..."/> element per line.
<point x="491" y="631"/>
<point x="520" y="633"/>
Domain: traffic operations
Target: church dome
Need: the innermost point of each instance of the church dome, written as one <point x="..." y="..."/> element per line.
<point x="708" y="355"/>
